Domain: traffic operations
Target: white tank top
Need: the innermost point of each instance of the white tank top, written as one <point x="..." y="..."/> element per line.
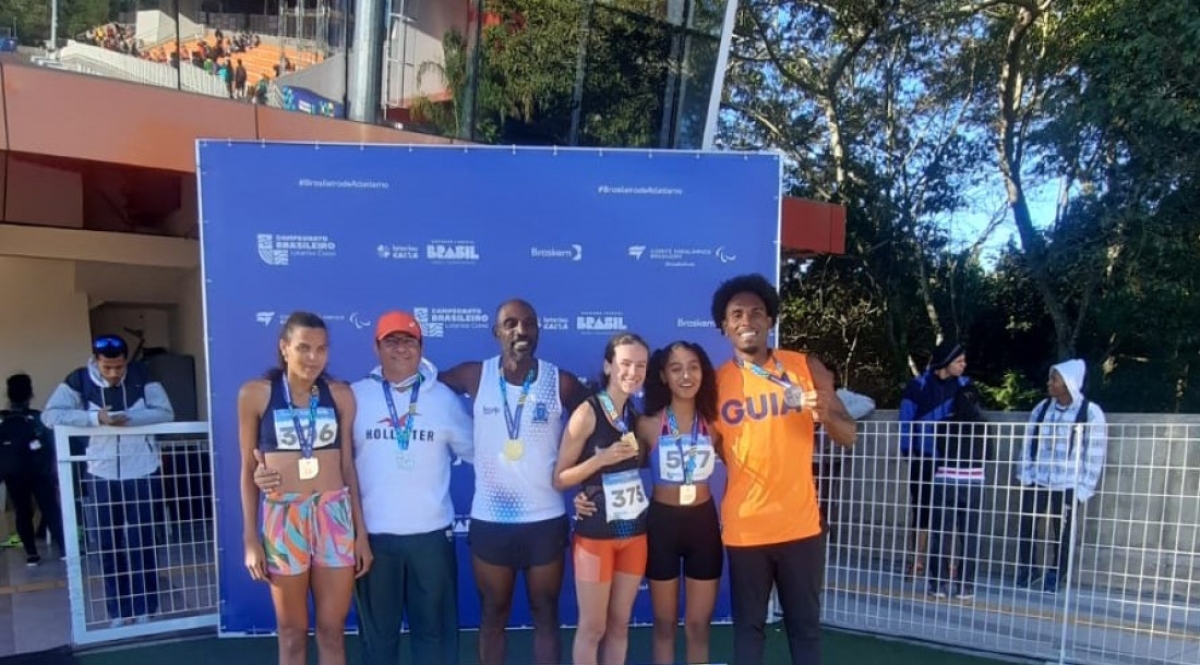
<point x="517" y="491"/>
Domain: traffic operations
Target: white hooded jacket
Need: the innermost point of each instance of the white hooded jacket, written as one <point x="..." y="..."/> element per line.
<point x="409" y="493"/>
<point x="1059" y="444"/>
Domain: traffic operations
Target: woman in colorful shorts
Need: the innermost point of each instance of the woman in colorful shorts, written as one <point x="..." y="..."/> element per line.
<point x="311" y="537"/>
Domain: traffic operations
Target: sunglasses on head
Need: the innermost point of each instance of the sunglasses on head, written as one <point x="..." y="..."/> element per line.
<point x="109" y="346"/>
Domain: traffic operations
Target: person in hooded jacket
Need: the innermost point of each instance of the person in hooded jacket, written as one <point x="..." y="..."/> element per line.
<point x="1062" y="458"/>
<point x="927" y="402"/>
<point x="958" y="482"/>
<point x="121" y="488"/>
<point x="27" y="467"/>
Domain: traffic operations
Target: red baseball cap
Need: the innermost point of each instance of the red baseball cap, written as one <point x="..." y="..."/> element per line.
<point x="397" y="322"/>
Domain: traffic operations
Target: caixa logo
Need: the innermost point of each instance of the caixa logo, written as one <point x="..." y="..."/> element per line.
<point x="591" y="322"/>
<point x="756" y="407"/>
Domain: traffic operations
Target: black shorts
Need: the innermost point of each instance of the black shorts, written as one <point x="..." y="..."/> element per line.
<point x="519" y="546"/>
<point x="691" y="533"/>
<point x="920" y="490"/>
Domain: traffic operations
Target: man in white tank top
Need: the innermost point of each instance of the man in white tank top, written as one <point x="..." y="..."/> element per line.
<point x="518" y="519"/>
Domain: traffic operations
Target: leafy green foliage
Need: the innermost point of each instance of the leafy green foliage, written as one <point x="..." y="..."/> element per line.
<point x="891" y="109"/>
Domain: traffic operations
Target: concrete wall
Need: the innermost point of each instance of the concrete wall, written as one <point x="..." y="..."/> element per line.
<point x="44" y="327"/>
<point x="1139" y="534"/>
<point x="60" y="287"/>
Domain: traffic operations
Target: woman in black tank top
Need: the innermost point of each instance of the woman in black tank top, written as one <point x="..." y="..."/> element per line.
<point x="680" y="532"/>
<point x="312" y="538"/>
<point x="600" y="451"/>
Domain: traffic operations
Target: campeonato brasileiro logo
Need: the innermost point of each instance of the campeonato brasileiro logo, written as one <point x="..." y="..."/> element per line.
<point x="275" y="249"/>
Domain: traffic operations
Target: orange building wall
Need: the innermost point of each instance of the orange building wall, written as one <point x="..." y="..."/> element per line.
<point x="58" y="122"/>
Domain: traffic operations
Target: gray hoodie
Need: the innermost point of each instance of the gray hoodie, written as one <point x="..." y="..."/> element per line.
<point x="78" y="400"/>
<point x="1055" y="464"/>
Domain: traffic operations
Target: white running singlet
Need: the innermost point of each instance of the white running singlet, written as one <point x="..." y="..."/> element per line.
<point x="517" y="491"/>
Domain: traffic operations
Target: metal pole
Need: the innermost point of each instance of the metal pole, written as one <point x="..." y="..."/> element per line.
<point x="714" y="99"/>
<point x="54" y="28"/>
<point x="580" y="74"/>
<point x="178" y="51"/>
<point x="366" y="61"/>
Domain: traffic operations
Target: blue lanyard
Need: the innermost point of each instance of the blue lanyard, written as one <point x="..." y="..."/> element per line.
<point x="513" y="420"/>
<point x="306" y="438"/>
<point x="403" y="436"/>
<point x="781" y="380"/>
<point x="610" y="410"/>
<point x="689" y="464"/>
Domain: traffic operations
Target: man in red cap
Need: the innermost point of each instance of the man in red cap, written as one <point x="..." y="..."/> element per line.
<point x="408" y="429"/>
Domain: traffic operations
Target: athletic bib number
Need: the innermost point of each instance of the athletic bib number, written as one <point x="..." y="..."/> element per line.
<point x="624" y="497"/>
<point x="285" y="429"/>
<point x="670" y="461"/>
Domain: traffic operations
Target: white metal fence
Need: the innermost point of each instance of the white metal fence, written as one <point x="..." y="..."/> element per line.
<point x="141" y="552"/>
<point x="138" y="70"/>
<point x="1131" y="593"/>
<point x="1130" y="597"/>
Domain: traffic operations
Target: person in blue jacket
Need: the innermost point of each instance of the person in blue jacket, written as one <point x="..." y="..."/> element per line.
<point x="928" y="400"/>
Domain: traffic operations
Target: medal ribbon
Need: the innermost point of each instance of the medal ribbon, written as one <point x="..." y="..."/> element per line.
<point x="781" y="380"/>
<point x="403" y="436"/>
<point x="689" y="459"/>
<point x="610" y="410"/>
<point x="306" y="438"/>
<point x="513" y="420"/>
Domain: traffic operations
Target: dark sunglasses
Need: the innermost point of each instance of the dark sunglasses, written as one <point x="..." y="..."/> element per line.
<point x="109" y="346"/>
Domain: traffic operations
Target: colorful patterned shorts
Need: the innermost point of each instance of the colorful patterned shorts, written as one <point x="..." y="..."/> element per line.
<point x="306" y="530"/>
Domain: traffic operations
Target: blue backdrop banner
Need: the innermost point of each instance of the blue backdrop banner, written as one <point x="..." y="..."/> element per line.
<point x="597" y="240"/>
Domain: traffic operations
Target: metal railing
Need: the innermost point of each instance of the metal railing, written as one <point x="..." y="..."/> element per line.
<point x="1130" y="592"/>
<point x="138" y="70"/>
<point x="141" y="551"/>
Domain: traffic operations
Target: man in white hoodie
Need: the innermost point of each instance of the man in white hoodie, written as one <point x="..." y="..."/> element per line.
<point x="120" y="487"/>
<point x="1061" y="460"/>
<point x="409" y="428"/>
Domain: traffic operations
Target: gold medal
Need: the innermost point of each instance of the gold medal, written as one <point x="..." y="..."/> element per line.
<point x="629" y="438"/>
<point x="309" y="468"/>
<point x="687" y="495"/>
<point x="513" y="450"/>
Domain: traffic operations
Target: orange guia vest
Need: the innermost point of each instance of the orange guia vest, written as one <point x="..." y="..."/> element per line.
<point x="771" y="496"/>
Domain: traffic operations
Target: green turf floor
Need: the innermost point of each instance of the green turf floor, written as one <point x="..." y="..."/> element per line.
<point x="839" y="648"/>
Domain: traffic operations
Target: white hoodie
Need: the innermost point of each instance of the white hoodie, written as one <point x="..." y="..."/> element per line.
<point x="1055" y="466"/>
<point x="143" y="401"/>
<point x="408" y="493"/>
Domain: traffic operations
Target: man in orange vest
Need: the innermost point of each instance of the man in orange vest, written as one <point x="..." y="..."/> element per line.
<point x="770" y="402"/>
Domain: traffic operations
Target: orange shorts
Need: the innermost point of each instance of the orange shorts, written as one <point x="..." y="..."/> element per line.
<point x="596" y="560"/>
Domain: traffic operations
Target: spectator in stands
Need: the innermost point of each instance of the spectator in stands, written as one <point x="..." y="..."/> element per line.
<point x="239" y="80"/>
<point x="1056" y="472"/>
<point x="121" y="484"/>
<point x="928" y="400"/>
<point x="958" y="481"/>
<point x="27" y="467"/>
